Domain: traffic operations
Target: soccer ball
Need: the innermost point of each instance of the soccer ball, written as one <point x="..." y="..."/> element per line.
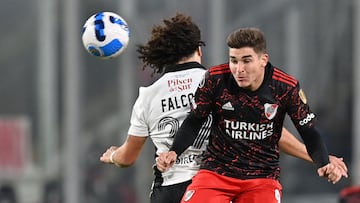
<point x="105" y="35"/>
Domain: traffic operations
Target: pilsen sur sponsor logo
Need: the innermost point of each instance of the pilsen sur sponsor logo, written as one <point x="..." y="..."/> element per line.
<point x="179" y="84"/>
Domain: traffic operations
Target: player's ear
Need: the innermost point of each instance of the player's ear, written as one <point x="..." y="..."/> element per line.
<point x="264" y="58"/>
<point x="198" y="54"/>
<point x="199" y="51"/>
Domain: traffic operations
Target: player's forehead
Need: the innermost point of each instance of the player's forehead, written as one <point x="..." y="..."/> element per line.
<point x="244" y="52"/>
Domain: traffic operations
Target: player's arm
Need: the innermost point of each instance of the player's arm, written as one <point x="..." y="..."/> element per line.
<point x="318" y="152"/>
<point x="187" y="133"/>
<point x="290" y="145"/>
<point x="315" y="145"/>
<point x="126" y="154"/>
<point x="185" y="136"/>
<point x="305" y="125"/>
<point x="330" y="167"/>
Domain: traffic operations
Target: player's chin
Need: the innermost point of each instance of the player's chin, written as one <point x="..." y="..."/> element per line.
<point x="244" y="84"/>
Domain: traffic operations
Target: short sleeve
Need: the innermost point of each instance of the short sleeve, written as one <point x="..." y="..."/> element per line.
<point x="138" y="121"/>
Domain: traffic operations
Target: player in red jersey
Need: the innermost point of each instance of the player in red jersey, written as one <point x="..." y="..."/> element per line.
<point x="248" y="99"/>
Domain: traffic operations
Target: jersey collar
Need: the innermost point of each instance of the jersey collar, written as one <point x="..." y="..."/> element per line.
<point x="184" y="66"/>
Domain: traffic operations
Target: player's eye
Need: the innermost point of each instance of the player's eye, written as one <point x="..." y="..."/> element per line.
<point x="233" y="61"/>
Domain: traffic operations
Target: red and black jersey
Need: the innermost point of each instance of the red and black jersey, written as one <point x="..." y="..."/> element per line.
<point x="247" y="124"/>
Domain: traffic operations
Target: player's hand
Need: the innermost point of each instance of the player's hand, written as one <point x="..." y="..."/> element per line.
<point x="331" y="172"/>
<point x="165" y="160"/>
<point x="105" y="158"/>
<point x="339" y="162"/>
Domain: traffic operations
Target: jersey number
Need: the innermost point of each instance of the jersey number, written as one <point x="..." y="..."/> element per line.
<point x="174" y="127"/>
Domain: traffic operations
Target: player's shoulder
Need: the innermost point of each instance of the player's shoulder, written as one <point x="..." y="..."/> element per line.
<point x="220" y="69"/>
<point x="283" y="77"/>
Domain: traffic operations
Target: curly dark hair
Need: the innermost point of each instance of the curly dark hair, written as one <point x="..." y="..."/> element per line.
<point x="176" y="39"/>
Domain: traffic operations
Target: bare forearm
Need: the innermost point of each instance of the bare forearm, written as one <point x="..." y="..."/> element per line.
<point x="127" y="154"/>
<point x="119" y="158"/>
<point x="292" y="146"/>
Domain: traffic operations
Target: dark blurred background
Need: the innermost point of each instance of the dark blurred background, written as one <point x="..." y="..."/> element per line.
<point x="60" y="107"/>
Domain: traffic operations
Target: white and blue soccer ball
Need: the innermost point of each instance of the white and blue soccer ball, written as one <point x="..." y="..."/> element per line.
<point x="105" y="35"/>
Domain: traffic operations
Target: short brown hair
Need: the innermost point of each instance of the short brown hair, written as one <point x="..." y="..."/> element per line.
<point x="247" y="37"/>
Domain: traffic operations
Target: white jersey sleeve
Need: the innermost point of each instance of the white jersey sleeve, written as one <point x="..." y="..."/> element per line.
<point x="138" y="122"/>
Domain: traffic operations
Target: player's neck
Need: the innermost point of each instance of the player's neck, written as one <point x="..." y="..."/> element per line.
<point x="195" y="57"/>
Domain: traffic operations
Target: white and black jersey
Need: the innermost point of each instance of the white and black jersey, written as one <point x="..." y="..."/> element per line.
<point x="159" y="111"/>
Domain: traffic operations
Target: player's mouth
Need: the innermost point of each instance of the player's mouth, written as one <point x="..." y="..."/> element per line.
<point x="241" y="79"/>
